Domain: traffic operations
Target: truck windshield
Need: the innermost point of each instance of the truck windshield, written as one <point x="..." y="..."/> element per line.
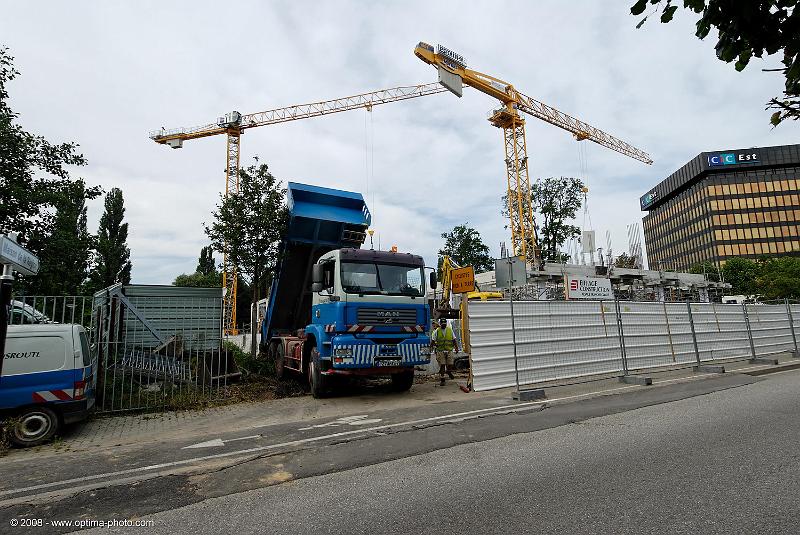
<point x="385" y="279"/>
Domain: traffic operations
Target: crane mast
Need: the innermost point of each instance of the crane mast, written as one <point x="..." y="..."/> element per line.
<point x="453" y="74"/>
<point x="232" y="124"/>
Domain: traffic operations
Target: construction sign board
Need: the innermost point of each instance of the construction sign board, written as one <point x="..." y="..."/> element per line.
<point x="589" y="288"/>
<point x="463" y="280"/>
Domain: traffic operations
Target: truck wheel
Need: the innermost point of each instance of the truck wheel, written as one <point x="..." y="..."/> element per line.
<point x="402" y="381"/>
<point x="317" y="381"/>
<point x="35" y="426"/>
<point x="280" y="355"/>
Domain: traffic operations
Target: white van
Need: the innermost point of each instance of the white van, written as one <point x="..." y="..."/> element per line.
<point x="48" y="380"/>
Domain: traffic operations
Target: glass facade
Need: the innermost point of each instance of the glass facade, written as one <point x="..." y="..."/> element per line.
<point x="727" y="212"/>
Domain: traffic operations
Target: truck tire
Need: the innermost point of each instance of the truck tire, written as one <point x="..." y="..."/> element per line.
<point x="318" y="382"/>
<point x="401" y="382"/>
<point x="280" y="356"/>
<point x="35" y="425"/>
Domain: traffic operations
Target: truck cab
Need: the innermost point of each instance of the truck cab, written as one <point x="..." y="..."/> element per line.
<point x="371" y="307"/>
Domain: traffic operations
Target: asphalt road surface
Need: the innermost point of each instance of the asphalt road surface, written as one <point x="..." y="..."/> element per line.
<point x="723" y="462"/>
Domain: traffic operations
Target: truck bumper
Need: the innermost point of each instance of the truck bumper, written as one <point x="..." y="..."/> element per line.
<point x="350" y="353"/>
<point x="382" y="370"/>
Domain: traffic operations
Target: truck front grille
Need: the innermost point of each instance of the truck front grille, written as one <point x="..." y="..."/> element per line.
<point x="380" y="316"/>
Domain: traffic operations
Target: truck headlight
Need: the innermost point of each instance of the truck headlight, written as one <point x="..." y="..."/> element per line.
<point x="343" y="352"/>
<point x="425" y="350"/>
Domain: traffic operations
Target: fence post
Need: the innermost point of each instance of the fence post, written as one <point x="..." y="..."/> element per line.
<point x="694" y="333"/>
<point x="513" y="336"/>
<point x="626" y="377"/>
<point x="795" y="353"/>
<point x="754" y="358"/>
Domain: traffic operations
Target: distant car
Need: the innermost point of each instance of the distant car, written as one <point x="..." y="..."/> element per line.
<point x="24" y="314"/>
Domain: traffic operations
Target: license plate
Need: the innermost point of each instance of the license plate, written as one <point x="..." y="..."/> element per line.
<point x="391" y="362"/>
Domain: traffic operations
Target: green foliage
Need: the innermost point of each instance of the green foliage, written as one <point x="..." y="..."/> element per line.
<point x="249" y="225"/>
<point x="64" y="252"/>
<point x="555" y="200"/>
<point x="199" y="280"/>
<point x="40" y="201"/>
<point x="464" y="246"/>
<point x="112" y="262"/>
<point x="28" y="199"/>
<point x="707" y="268"/>
<point x="779" y="278"/>
<point x="741" y="274"/>
<point x="205" y="264"/>
<point x="747" y="28"/>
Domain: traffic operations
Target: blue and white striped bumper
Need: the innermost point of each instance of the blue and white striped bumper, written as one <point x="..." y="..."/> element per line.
<point x="362" y="353"/>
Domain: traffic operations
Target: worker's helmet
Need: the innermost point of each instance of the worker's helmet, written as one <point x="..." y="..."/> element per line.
<point x="443" y="322"/>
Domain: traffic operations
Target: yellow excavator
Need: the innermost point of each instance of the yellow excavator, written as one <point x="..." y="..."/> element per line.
<point x="444" y="309"/>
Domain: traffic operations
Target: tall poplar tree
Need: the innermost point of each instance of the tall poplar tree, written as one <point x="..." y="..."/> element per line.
<point x="112" y="259"/>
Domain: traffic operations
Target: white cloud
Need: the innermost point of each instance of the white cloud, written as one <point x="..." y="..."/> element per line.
<point x="105" y="74"/>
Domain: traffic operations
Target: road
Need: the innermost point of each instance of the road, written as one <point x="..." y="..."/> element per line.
<point x="727" y="461"/>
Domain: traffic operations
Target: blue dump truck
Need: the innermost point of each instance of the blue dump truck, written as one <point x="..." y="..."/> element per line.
<point x="335" y="310"/>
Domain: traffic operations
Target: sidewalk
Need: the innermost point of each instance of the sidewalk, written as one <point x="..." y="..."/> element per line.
<point x="122" y="432"/>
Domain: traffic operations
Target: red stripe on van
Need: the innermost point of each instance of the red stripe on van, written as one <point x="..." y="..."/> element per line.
<point x="62" y="395"/>
<point x="38" y="399"/>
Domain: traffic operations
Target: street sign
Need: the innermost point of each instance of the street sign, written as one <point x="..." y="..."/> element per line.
<point x="463" y="280"/>
<point x="510" y="272"/>
<point x="588" y="288"/>
<point x="18" y="257"/>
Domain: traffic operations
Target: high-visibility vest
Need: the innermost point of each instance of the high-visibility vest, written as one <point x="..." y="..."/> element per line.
<point x="443" y="340"/>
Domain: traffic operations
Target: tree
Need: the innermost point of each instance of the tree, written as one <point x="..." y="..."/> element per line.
<point x="199" y="280"/>
<point x="112" y="260"/>
<point x="555" y="201"/>
<point x="205" y="264"/>
<point x="707" y="268"/>
<point x="779" y="278"/>
<point x="742" y="274"/>
<point x="249" y="224"/>
<point x="465" y="247"/>
<point x="38" y="199"/>
<point x="746" y="29"/>
<point x="65" y="250"/>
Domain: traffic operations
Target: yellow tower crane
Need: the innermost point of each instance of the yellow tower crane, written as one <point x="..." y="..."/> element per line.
<point x="453" y="74"/>
<point x="234" y="123"/>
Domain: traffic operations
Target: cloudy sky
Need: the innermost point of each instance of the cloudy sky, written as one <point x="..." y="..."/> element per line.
<point x="105" y="73"/>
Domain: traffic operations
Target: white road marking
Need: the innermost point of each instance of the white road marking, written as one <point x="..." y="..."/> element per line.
<point x="218" y="442"/>
<point x="358" y="419"/>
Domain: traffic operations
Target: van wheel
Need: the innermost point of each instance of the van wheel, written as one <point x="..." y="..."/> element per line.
<point x="35" y="426"/>
<point x="318" y="382"/>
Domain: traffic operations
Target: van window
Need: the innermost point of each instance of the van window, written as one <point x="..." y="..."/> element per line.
<point x="87" y="358"/>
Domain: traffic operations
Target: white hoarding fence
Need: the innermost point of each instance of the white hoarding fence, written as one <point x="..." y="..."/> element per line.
<point x="558" y="340"/>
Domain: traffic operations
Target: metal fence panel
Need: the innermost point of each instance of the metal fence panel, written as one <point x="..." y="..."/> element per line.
<point x="769" y="326"/>
<point x="656" y="334"/>
<point x="554" y="340"/>
<point x="721" y="331"/>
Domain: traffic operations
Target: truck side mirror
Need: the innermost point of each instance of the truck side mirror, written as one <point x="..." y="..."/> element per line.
<point x="433" y="280"/>
<point x="317" y="275"/>
<point x="316" y="287"/>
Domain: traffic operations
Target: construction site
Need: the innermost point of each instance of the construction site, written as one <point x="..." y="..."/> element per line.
<point x="539" y="272"/>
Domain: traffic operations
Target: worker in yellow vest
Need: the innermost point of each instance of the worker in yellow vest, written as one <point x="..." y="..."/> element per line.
<point x="444" y="344"/>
